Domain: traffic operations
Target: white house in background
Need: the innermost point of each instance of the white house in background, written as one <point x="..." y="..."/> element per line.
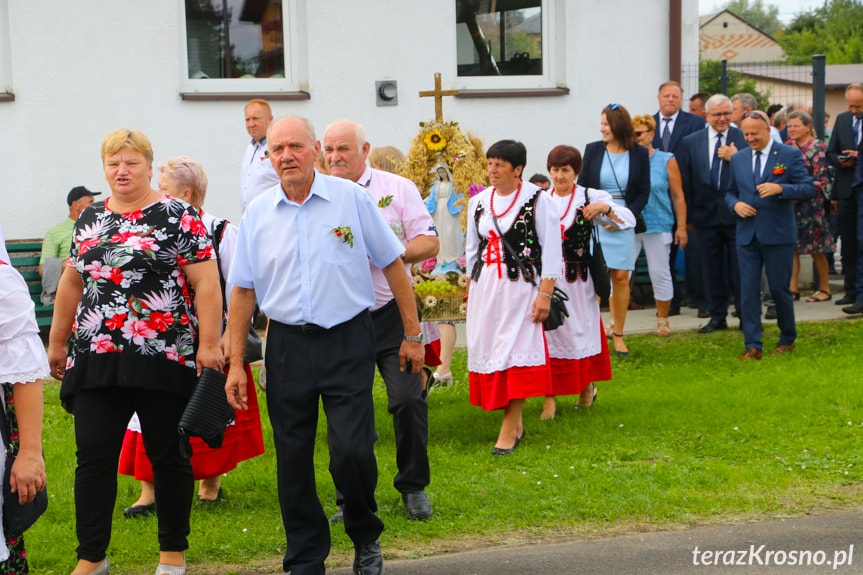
<point x="180" y="71"/>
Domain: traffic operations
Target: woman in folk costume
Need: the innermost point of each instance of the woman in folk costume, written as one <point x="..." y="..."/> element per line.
<point x="578" y="349"/>
<point x="507" y="355"/>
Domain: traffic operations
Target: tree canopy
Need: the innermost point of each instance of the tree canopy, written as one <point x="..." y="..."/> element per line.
<point x="835" y="30"/>
<point x="765" y="17"/>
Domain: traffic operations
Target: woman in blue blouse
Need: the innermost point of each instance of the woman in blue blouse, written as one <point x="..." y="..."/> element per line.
<point x="618" y="165"/>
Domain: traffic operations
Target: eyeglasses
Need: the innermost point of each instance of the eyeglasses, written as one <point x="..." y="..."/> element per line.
<point x="638" y="133"/>
<point x="613" y="106"/>
<point x="755" y="115"/>
<point x="721" y="114"/>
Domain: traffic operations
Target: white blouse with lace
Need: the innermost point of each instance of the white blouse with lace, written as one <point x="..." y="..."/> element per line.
<point x="22" y="354"/>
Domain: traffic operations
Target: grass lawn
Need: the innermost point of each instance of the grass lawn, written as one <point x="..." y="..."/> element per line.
<point x="684" y="434"/>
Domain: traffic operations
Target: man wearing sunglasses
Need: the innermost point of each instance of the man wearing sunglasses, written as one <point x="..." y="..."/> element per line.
<point x="765" y="180"/>
<point x="704" y="167"/>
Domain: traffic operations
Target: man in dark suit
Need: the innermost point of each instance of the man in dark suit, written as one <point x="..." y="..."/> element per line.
<point x="765" y="180"/>
<point x="857" y="192"/>
<point x="842" y="154"/>
<point x="672" y="125"/>
<point x="704" y="168"/>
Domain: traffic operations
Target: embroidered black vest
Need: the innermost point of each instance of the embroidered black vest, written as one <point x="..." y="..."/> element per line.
<point x="576" y="247"/>
<point x="521" y="236"/>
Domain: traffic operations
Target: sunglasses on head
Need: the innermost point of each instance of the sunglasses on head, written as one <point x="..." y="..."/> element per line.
<point x="613" y="106"/>
<point x="755" y="115"/>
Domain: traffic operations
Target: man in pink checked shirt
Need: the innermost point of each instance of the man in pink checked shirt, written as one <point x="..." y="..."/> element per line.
<point x="346" y="150"/>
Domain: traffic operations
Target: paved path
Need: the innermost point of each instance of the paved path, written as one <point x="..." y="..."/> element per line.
<point x="644" y="321"/>
<point x="831" y="543"/>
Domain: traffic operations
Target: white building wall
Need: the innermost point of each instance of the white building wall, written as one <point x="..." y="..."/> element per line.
<point x="81" y="69"/>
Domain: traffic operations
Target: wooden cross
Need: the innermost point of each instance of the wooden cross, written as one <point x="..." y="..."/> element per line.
<point x="438" y="97"/>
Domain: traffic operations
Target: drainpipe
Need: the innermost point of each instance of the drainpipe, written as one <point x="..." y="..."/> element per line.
<point x="675" y="32"/>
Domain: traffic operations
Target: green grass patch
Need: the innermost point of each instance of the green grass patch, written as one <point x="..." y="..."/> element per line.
<point x="684" y="434"/>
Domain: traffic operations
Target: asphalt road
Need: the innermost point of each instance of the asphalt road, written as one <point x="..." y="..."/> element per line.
<point x="815" y="544"/>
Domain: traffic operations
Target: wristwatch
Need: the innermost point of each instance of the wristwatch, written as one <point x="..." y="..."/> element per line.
<point x="417" y="338"/>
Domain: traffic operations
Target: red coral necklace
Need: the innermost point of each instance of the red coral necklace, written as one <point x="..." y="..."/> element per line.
<point x="569" y="204"/>
<point x="506" y="211"/>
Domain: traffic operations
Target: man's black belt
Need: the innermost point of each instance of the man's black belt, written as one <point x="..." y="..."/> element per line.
<point x="307" y="329"/>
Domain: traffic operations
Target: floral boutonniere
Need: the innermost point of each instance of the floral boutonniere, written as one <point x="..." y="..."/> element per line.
<point x="345" y="234"/>
<point x="778" y="169"/>
<point x="266" y="155"/>
<point x="385" y="201"/>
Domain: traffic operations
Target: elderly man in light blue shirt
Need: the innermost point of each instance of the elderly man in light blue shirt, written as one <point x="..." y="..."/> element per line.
<point x="302" y="250"/>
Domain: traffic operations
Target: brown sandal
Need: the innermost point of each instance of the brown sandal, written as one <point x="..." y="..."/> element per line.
<point x="813" y="297"/>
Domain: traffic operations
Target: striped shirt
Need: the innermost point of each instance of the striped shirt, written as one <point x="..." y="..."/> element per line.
<point x="58" y="241"/>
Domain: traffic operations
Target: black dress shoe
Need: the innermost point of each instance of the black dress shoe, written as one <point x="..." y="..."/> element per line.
<point x="368" y="559"/>
<point x="846" y="300"/>
<point x="771" y="312"/>
<point x="854" y="309"/>
<point x="338" y="516"/>
<point x="139" y="511"/>
<point x="418" y="505"/>
<point x="712" y="326"/>
<point x="673" y="310"/>
<point x="502" y="451"/>
<point x="703" y="313"/>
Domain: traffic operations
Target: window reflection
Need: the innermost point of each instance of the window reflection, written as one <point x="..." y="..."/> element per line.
<point x="235" y="39"/>
<point x="499" y="37"/>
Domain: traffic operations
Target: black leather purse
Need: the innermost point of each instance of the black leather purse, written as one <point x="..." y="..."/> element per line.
<point x="17" y="518"/>
<point x="557" y="312"/>
<point x="597" y="266"/>
<point x="207" y="413"/>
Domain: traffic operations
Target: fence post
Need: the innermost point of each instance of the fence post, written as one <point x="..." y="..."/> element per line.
<point x="819" y="87"/>
<point x="724" y="76"/>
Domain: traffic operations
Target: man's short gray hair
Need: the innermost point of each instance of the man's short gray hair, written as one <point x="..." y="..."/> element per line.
<point x="359" y="131"/>
<point x="307" y="124"/>
<point x="715" y="100"/>
<point x="747" y="101"/>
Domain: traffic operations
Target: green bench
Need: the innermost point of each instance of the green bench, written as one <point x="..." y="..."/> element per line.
<point x="25" y="258"/>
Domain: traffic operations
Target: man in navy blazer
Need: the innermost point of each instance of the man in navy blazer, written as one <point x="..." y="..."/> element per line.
<point x="857" y="194"/>
<point x="842" y="154"/>
<point x="704" y="167"/>
<point x="678" y="124"/>
<point x="765" y="180"/>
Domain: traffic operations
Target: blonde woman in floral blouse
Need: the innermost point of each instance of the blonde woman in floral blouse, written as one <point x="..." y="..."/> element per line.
<point x="813" y="233"/>
<point x="136" y="344"/>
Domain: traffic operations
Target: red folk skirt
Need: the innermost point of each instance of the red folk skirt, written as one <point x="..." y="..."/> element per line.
<point x="243" y="440"/>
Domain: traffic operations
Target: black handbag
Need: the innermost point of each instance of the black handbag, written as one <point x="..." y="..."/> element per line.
<point x="640" y="224"/>
<point x="557" y="312"/>
<point x="597" y="266"/>
<point x="207" y="413"/>
<point x="17" y="518"/>
<point x="254" y="345"/>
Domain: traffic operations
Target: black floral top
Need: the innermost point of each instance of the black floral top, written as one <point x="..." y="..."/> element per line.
<point x="576" y="247"/>
<point x="135" y="325"/>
